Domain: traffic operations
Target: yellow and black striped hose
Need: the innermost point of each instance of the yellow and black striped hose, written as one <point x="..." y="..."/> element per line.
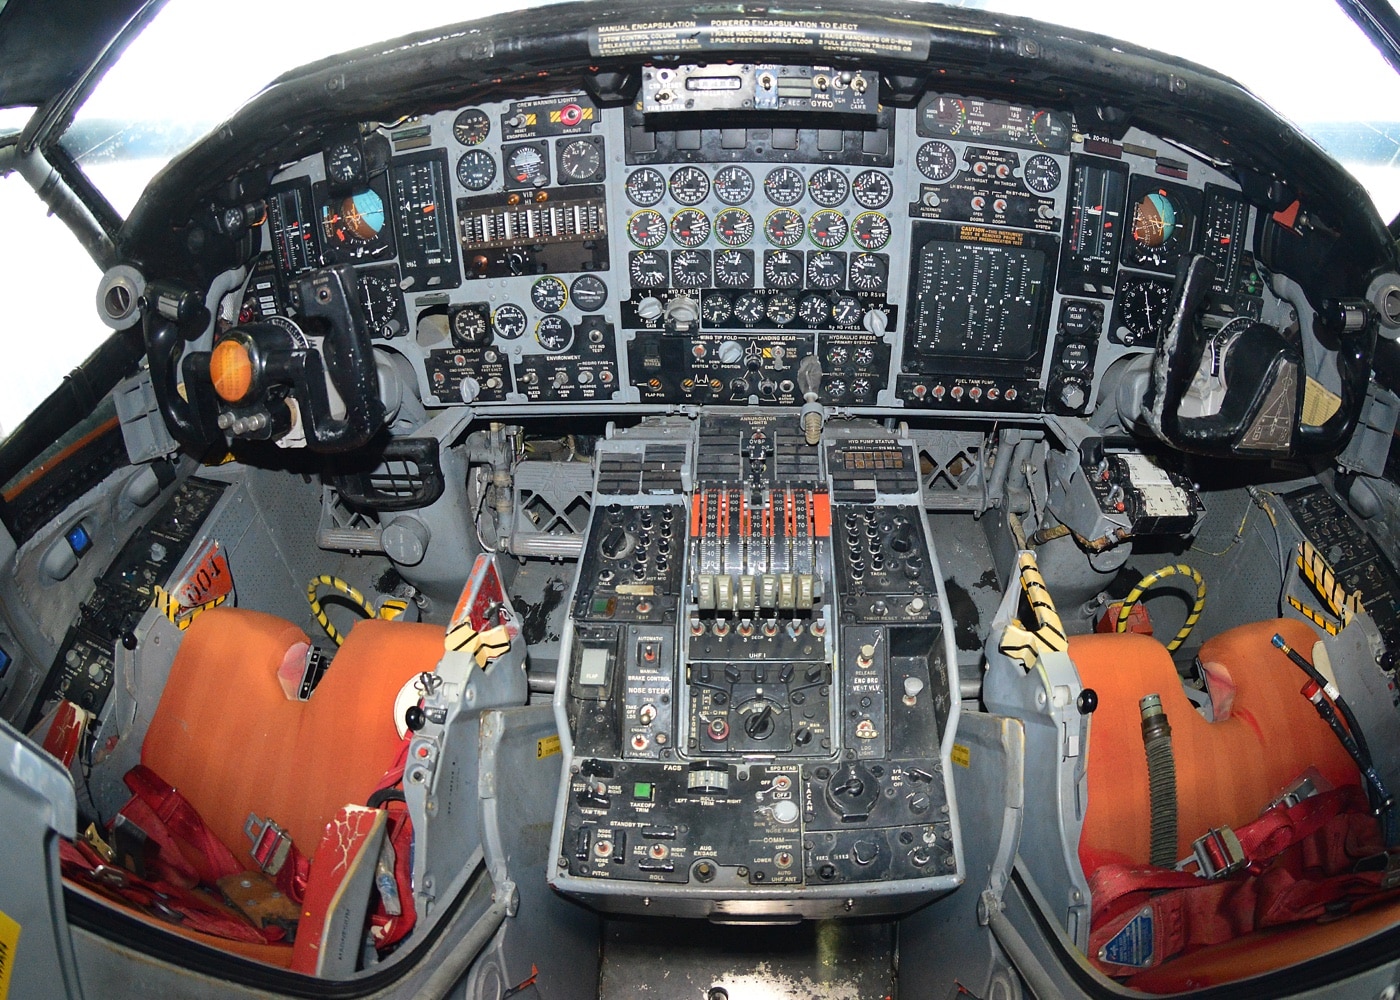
<point x="335" y="583"/>
<point x="1156" y="576"/>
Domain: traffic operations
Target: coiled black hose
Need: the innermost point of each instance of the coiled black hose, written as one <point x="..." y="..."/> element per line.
<point x="1161" y="779"/>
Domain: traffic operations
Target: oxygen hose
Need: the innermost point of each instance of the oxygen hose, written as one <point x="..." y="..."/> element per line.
<point x="1161" y="779"/>
<point x="1323" y="695"/>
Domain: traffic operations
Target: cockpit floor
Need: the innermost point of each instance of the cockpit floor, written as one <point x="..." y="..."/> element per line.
<point x="682" y="960"/>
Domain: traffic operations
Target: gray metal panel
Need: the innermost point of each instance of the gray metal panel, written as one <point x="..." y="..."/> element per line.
<point x="948" y="940"/>
<point x="36" y="803"/>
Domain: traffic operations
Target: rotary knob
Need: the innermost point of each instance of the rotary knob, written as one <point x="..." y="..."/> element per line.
<point x="1072" y="395"/>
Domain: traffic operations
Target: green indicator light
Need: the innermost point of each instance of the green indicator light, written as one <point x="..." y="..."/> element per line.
<point x="641" y="790"/>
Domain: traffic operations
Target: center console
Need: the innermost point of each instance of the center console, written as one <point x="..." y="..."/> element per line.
<point x="755" y="701"/>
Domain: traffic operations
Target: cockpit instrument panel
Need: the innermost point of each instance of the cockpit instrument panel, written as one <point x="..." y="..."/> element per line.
<point x="965" y="255"/>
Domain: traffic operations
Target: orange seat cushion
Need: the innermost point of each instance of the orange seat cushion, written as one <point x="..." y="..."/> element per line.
<point x="1227" y="771"/>
<point x="227" y="737"/>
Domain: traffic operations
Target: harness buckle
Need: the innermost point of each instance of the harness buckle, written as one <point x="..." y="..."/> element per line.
<point x="1217" y="854"/>
<point x="271" y="844"/>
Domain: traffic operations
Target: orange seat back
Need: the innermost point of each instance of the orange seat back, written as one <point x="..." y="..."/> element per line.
<point x="227" y="737"/>
<point x="1227" y="771"/>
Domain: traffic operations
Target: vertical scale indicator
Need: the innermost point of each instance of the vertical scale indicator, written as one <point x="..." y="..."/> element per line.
<point x="423" y="221"/>
<point x="292" y="219"/>
<point x="1089" y="258"/>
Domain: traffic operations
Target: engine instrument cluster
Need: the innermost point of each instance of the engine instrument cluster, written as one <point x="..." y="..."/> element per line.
<point x="961" y="255"/>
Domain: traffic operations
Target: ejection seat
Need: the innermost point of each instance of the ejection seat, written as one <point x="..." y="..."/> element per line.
<point x="1087" y="831"/>
<point x="1227" y="773"/>
<point x="230" y="740"/>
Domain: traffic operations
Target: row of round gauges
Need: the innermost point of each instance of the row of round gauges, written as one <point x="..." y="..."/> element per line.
<point x="509" y="321"/>
<point x="824" y="269"/>
<point x="938" y="162"/>
<point x="734" y="185"/>
<point x="579" y="160"/>
<point x="734" y="227"/>
<point x="781" y="309"/>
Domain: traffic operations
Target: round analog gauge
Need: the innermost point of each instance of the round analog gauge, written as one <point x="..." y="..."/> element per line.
<point x="589" y="292"/>
<point x="645" y="187"/>
<point x="509" y="320"/>
<point x="690" y="268"/>
<point x="783" y="227"/>
<point x="782" y="269"/>
<point x="380" y="296"/>
<point x="1046" y="128"/>
<point x="476" y="169"/>
<point x="835" y="388"/>
<point x="471" y="127"/>
<point x="748" y="308"/>
<point x="950" y="114"/>
<point x="869" y="272"/>
<point x="864" y="354"/>
<point x="872" y="189"/>
<point x="871" y="230"/>
<point x="715" y="309"/>
<point x="826" y="269"/>
<point x="469" y="326"/>
<point x="554" y="333"/>
<point x="1041" y="173"/>
<point x="936" y="160"/>
<point x="1161" y="224"/>
<point x="734" y="227"/>
<point x="782" y="309"/>
<point x="829" y="187"/>
<point x="689" y="185"/>
<point x="734" y="269"/>
<point x="861" y="388"/>
<point x="525" y="165"/>
<point x="690" y="227"/>
<point x="828" y="228"/>
<point x="813" y="309"/>
<point x="580" y="160"/>
<point x="733" y="185"/>
<point x="784" y="186"/>
<point x="846" y="311"/>
<point x="549" y="294"/>
<point x="345" y="163"/>
<point x="839" y="355"/>
<point x="1144" y="310"/>
<point x="647" y="269"/>
<point x="647" y="228"/>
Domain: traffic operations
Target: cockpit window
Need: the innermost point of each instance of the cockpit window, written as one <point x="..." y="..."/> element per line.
<point x="1314" y="67"/>
<point x="12" y="120"/>
<point x="169" y="88"/>
<point x="49" y="290"/>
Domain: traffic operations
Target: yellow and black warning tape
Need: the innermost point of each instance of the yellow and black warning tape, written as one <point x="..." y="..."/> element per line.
<point x="177" y="614"/>
<point x="485" y="646"/>
<point x="313" y="596"/>
<point x="1151" y="579"/>
<point x="1325" y="584"/>
<point x="1314" y="616"/>
<point x="1048" y="636"/>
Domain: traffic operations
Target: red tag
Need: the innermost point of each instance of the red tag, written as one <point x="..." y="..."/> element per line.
<point x="206" y="577"/>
